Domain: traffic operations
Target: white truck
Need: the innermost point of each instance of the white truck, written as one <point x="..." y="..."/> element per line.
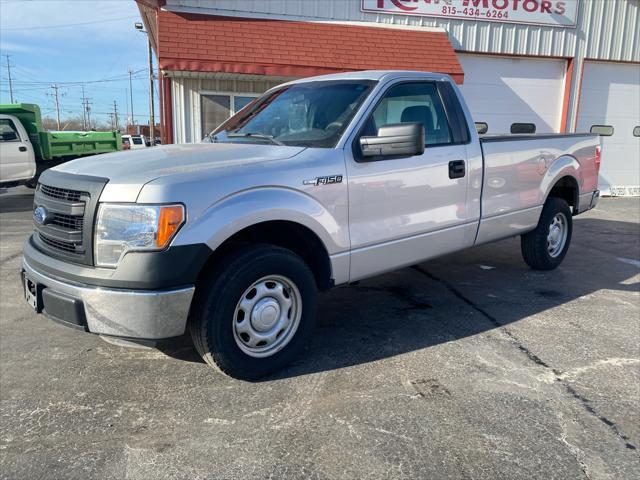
<point x="319" y="182"/>
<point x="27" y="149"/>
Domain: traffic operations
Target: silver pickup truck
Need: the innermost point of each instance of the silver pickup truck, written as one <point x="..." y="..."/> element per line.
<point x="317" y="183"/>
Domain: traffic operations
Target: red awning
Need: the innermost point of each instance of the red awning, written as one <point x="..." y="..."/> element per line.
<point x="206" y="43"/>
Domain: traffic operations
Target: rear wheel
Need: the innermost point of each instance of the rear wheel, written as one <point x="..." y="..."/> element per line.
<point x="254" y="312"/>
<point x="545" y="247"/>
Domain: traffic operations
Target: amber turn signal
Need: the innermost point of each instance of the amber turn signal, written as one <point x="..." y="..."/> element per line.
<point x="169" y="221"/>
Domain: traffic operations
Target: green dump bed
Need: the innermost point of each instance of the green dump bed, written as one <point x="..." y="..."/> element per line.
<point x="60" y="145"/>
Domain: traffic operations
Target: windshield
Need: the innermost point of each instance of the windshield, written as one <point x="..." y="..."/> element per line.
<point x="310" y="114"/>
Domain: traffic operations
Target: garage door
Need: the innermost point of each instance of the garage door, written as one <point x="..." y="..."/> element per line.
<point x="501" y="91"/>
<point x="610" y="99"/>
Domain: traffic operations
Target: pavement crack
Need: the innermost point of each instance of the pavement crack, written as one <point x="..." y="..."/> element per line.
<point x="559" y="378"/>
<point x="11" y="257"/>
<point x="575" y="451"/>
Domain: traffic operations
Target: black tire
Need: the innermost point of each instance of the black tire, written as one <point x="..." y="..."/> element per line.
<point x="534" y="245"/>
<point x="213" y="317"/>
<point x="32" y="183"/>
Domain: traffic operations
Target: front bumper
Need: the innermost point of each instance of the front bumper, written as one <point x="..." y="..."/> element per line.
<point x="134" y="314"/>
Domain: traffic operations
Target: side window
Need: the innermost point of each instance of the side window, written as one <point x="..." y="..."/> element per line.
<point x="412" y="102"/>
<point x="8" y="131"/>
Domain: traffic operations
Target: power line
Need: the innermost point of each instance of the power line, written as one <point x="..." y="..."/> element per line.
<point x="115" y="78"/>
<point x="48" y="27"/>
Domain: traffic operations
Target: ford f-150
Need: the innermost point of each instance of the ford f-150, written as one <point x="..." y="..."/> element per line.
<point x="319" y="182"/>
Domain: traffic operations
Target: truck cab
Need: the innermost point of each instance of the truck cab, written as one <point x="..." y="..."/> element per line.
<point x="17" y="158"/>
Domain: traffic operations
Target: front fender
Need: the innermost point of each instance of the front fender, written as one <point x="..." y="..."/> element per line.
<point x="237" y="211"/>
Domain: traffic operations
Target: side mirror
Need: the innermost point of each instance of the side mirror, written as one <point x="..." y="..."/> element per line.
<point x="395" y="140"/>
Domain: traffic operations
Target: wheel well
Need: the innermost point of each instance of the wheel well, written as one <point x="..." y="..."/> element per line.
<point x="567" y="189"/>
<point x="290" y="235"/>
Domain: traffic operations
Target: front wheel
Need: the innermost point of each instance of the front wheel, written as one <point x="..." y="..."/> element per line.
<point x="545" y="247"/>
<point x="254" y="312"/>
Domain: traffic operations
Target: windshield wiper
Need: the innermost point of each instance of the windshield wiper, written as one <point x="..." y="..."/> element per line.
<point x="260" y="136"/>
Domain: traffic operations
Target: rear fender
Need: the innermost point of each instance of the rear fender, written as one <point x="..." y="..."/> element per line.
<point x="563" y="166"/>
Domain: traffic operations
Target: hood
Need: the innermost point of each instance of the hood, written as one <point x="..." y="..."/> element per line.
<point x="129" y="170"/>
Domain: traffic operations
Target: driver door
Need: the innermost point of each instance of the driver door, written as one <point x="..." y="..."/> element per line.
<point x="405" y="210"/>
<point x="16" y="154"/>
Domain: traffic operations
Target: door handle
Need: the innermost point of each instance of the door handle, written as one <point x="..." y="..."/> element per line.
<point x="22" y="149"/>
<point x="456" y="169"/>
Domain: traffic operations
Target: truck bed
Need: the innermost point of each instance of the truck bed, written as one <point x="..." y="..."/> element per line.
<point x="518" y="172"/>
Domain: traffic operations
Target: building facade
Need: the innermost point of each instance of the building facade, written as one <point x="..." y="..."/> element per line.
<point x="547" y="66"/>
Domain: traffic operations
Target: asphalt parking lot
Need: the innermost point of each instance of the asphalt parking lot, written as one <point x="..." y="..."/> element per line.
<point x="470" y="366"/>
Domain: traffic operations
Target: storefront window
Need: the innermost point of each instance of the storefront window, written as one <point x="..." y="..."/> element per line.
<point x="240" y="102"/>
<point x="215" y="109"/>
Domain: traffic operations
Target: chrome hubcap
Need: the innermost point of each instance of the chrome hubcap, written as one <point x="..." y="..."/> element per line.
<point x="557" y="235"/>
<point x="267" y="316"/>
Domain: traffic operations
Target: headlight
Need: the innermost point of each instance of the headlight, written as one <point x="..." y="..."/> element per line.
<point x="123" y="228"/>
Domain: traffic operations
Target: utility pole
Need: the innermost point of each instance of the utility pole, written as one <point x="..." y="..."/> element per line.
<point x="152" y="137"/>
<point x="56" y="96"/>
<point x="87" y="109"/>
<point x="10" y="81"/>
<point x="84" y="111"/>
<point x="128" y="118"/>
<point x="133" y="121"/>
<point x="115" y="114"/>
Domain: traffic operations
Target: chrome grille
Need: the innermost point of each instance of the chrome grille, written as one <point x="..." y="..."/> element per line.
<point x="58" y="244"/>
<point x="70" y="222"/>
<point x="63" y="229"/>
<point x="61" y="193"/>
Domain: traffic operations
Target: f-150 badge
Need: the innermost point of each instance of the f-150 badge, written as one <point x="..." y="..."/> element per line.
<point x="323" y="180"/>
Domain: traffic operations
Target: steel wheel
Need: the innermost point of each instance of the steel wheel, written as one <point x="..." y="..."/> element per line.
<point x="557" y="235"/>
<point x="267" y="316"/>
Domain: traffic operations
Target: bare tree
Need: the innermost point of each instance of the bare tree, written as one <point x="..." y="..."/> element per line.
<point x="72" y="123"/>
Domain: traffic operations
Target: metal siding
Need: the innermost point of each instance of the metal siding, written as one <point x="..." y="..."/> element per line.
<point x="606" y="29"/>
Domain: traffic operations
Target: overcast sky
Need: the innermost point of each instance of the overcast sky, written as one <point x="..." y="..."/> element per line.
<point x="74" y="41"/>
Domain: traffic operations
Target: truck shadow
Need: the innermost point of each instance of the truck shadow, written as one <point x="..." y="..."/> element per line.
<point x="16" y="199"/>
<point x="459" y="296"/>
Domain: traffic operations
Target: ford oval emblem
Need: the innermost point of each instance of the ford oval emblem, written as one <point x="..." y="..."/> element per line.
<point x="40" y="215"/>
